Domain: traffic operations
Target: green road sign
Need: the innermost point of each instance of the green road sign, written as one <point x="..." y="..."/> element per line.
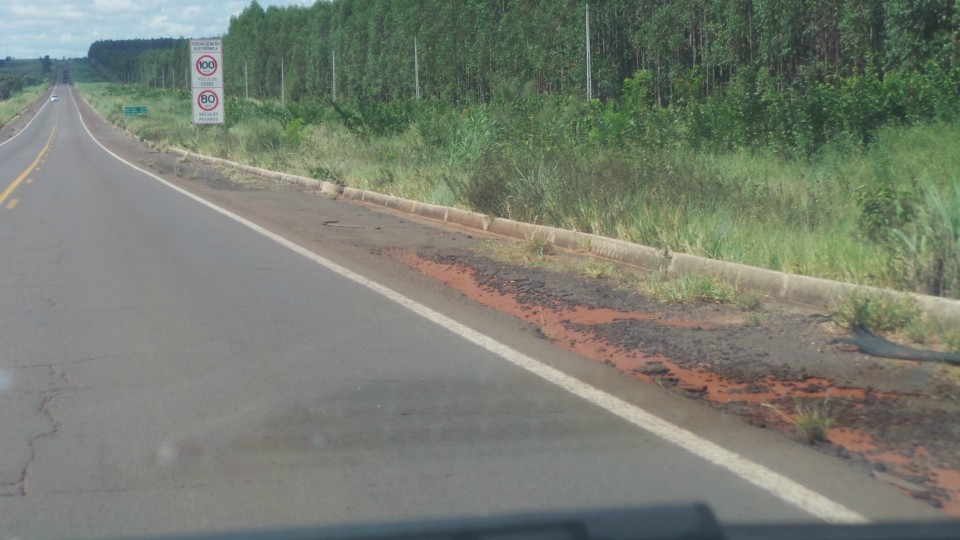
<point x="134" y="111"/>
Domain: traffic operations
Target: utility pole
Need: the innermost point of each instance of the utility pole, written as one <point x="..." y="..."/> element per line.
<point x="589" y="69"/>
<point x="333" y="62"/>
<point x="283" y="93"/>
<point x="416" y="67"/>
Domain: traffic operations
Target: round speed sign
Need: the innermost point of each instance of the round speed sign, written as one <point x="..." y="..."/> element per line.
<point x="206" y="65"/>
<point x="207" y="100"/>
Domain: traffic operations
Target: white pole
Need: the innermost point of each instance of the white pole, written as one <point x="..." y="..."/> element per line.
<point x="246" y="82"/>
<point x="589" y="69"/>
<point x="416" y="67"/>
<point x="283" y="93"/>
<point x="333" y="62"/>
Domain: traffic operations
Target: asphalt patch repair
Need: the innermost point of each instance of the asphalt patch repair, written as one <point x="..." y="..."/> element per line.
<point x="895" y="417"/>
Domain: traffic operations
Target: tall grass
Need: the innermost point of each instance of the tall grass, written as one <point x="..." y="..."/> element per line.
<point x="400" y="164"/>
<point x="848" y="212"/>
<point x="927" y="252"/>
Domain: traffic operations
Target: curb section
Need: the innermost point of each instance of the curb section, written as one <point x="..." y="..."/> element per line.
<point x="793" y="287"/>
<point x="312" y="183"/>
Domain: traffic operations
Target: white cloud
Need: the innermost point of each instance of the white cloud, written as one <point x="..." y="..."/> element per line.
<point x="114" y="6"/>
<point x="21" y="10"/>
<point x="68" y="27"/>
<point x="161" y="25"/>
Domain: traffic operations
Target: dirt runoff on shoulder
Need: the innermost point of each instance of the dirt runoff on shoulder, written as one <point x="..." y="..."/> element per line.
<point x="775" y="369"/>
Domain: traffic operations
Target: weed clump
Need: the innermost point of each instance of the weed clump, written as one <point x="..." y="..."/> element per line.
<point x="598" y="269"/>
<point x="691" y="288"/>
<point x="877" y="312"/>
<point x="812" y="423"/>
<point x="537" y="246"/>
<point x="749" y="301"/>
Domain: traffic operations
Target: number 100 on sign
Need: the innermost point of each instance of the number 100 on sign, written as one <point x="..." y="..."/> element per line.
<point x="208" y="106"/>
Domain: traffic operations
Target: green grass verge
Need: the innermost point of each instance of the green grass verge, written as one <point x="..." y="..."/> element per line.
<point x="832" y="215"/>
<point x="22" y="99"/>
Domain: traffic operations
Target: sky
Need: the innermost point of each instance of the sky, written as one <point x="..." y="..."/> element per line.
<point x="35" y="28"/>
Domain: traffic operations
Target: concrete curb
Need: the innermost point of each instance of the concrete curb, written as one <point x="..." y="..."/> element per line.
<point x="312" y="183"/>
<point x="793" y="287"/>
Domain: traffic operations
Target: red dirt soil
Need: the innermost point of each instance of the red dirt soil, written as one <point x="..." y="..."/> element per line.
<point x="697" y="382"/>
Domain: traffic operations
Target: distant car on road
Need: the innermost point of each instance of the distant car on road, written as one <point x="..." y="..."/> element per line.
<point x="54" y="98"/>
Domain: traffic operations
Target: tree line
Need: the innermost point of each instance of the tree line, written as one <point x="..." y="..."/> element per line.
<point x="469" y="49"/>
<point x="17" y="74"/>
<point x="724" y="73"/>
<point x="154" y="62"/>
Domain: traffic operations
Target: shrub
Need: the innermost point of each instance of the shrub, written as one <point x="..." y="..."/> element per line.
<point x="876" y="312"/>
<point x="294" y="133"/>
<point x="882" y="209"/>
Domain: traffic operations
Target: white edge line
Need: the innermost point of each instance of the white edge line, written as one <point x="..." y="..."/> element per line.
<point x="42" y="107"/>
<point x="758" y="475"/>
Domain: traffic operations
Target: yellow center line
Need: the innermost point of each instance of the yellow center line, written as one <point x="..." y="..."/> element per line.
<point x="12" y="204"/>
<point x="13" y="185"/>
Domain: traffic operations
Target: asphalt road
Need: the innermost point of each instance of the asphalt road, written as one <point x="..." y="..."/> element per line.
<point x="166" y="368"/>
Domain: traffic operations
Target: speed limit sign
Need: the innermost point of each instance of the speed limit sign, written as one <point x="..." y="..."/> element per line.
<point x="207" y="100"/>
<point x="208" y="105"/>
<point x="206" y="68"/>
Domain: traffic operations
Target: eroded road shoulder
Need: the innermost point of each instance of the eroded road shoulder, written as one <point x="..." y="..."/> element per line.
<point x="891" y="416"/>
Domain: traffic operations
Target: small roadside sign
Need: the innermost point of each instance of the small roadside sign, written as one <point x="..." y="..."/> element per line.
<point x="206" y="69"/>
<point x="134" y="111"/>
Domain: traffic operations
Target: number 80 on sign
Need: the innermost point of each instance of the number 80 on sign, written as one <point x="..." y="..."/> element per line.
<point x="208" y="106"/>
<point x="208" y="100"/>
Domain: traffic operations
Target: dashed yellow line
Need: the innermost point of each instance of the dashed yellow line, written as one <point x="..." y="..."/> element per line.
<point x="13" y="185"/>
<point x="12" y="204"/>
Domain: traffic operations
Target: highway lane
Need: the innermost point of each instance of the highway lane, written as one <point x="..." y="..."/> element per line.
<point x="167" y="369"/>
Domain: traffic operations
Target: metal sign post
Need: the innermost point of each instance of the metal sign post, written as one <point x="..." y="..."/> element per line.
<point x="206" y="70"/>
